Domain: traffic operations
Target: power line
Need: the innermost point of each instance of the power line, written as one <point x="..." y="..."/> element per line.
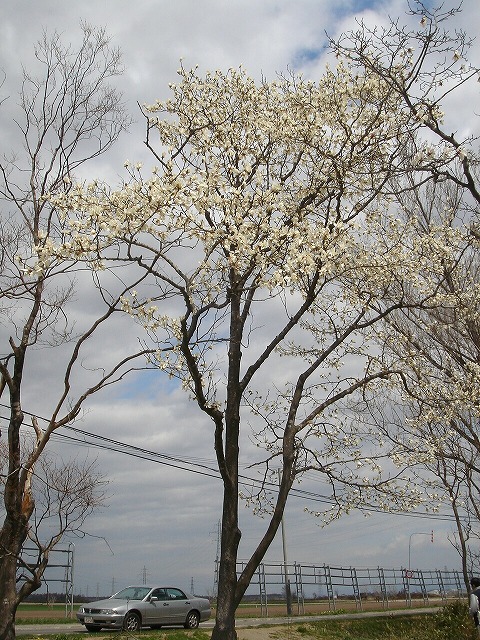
<point x="185" y="464"/>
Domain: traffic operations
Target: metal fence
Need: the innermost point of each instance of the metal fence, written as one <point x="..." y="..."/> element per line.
<point x="334" y="587"/>
<point x="59" y="570"/>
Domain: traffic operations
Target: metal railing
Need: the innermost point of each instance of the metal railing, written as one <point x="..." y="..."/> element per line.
<point x="334" y="587"/>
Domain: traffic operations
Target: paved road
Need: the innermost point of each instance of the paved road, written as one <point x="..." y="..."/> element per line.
<point x="47" y="629"/>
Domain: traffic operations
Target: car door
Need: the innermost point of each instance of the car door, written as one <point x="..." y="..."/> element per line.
<point x="158" y="610"/>
<point x="180" y="605"/>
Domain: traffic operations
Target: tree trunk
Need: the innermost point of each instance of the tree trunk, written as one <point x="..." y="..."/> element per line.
<point x="462" y="546"/>
<point x="7" y="622"/>
<point x="19" y="505"/>
<point x="11" y="539"/>
<point x="227" y="601"/>
<point x="227" y="578"/>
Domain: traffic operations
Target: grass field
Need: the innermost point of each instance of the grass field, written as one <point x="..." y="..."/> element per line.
<point x="42" y="614"/>
<point x="29" y="613"/>
<point x="451" y="622"/>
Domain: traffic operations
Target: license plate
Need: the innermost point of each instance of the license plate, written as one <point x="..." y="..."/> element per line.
<point x="88" y="620"/>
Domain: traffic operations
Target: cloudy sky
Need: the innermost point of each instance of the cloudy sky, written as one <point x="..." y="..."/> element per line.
<point x="163" y="512"/>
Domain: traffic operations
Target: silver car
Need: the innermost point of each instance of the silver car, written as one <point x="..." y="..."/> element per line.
<point x="136" y="607"/>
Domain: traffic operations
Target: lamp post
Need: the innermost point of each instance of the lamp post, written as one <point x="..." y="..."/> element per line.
<point x="288" y="593"/>
<point x="409" y="573"/>
<point x="418" y="533"/>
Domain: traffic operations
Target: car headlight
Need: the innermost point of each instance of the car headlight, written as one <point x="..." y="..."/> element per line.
<point x="81" y="610"/>
<point x="107" y="612"/>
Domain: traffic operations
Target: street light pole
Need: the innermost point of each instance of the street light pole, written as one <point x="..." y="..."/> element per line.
<point x="418" y="533"/>
<point x="288" y="593"/>
<point x="409" y="573"/>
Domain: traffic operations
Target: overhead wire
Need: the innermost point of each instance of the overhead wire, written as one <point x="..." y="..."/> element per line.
<point x="190" y="465"/>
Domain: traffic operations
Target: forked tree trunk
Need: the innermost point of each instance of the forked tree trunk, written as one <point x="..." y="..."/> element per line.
<point x="227" y="597"/>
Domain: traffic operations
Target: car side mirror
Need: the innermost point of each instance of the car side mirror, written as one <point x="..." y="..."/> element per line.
<point x="153" y="599"/>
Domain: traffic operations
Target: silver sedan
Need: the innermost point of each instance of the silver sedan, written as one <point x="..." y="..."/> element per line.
<point x="135" y="607"/>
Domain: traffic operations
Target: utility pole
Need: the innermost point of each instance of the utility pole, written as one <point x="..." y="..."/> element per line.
<point x="288" y="593"/>
<point x="217" y="559"/>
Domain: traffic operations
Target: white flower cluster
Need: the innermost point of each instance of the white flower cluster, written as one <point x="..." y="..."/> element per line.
<point x="252" y="173"/>
<point x="267" y="189"/>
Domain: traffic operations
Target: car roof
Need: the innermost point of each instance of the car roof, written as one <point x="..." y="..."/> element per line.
<point x="150" y="586"/>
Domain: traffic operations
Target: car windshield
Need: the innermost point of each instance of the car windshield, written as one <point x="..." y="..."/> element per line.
<point x="132" y="593"/>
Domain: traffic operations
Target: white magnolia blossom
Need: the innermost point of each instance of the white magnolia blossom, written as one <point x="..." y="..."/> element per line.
<point x="279" y="191"/>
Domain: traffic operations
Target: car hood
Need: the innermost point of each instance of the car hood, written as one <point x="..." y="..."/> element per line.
<point x="109" y="603"/>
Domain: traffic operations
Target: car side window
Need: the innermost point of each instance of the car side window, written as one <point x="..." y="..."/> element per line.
<point x="176" y="594"/>
<point x="159" y="594"/>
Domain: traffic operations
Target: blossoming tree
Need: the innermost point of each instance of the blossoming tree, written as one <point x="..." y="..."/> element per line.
<point x="437" y="344"/>
<point x="259" y="232"/>
<point x="436" y="421"/>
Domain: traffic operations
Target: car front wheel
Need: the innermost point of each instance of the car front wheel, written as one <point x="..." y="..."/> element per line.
<point x="192" y="620"/>
<point x="132" y="622"/>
